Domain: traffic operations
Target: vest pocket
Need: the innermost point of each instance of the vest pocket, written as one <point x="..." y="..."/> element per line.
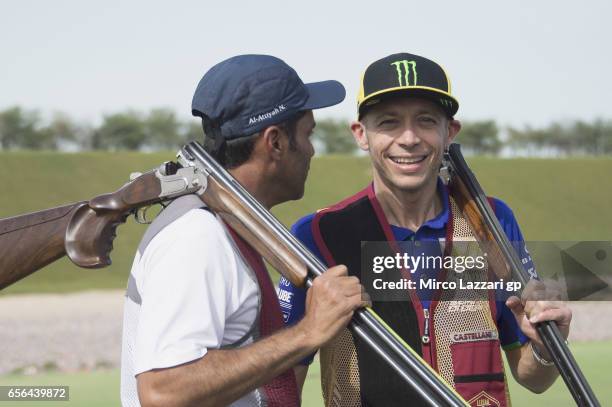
<point x="478" y="372"/>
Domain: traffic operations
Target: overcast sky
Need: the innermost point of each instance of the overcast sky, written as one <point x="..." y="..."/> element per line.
<point x="519" y="62"/>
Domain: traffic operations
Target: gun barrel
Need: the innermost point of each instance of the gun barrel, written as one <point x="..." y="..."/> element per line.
<point x="548" y="331"/>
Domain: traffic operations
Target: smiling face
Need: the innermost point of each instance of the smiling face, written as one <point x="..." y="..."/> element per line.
<point x="405" y="138"/>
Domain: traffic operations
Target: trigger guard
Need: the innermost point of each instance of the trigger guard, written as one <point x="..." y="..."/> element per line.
<point x="141" y="215"/>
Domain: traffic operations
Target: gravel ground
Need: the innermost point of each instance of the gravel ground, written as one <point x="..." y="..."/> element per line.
<point x="61" y="331"/>
<point x="82" y="331"/>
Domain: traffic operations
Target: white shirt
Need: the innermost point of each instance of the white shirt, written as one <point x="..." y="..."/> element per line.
<point x="197" y="294"/>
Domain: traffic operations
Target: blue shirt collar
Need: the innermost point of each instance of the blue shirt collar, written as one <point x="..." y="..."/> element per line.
<point x="436" y="223"/>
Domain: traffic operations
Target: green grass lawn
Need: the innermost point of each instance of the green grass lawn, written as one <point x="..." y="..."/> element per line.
<point x="101" y="388"/>
<point x="87" y="389"/>
<point x="594" y="359"/>
<point x="566" y="199"/>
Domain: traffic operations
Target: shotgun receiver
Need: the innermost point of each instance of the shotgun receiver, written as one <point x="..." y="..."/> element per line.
<point x="84" y="231"/>
<point x="506" y="264"/>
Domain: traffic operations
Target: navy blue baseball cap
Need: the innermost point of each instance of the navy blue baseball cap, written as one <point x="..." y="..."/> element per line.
<point x="247" y="93"/>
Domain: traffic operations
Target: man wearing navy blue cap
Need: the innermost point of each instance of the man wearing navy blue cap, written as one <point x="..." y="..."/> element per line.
<point x="202" y="322"/>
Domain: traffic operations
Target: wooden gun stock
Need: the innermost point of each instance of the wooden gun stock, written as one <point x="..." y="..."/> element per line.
<point x="30" y="242"/>
<point x="84" y="231"/>
<point x="90" y="233"/>
<point x="250" y="226"/>
<point x="496" y="260"/>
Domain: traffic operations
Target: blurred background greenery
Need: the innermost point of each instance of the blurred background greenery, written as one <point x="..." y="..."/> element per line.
<point x="160" y="128"/>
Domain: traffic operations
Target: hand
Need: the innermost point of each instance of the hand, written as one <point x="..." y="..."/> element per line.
<point x="536" y="306"/>
<point x="330" y="304"/>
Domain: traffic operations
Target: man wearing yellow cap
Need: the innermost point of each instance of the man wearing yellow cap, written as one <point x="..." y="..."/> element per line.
<point x="406" y="122"/>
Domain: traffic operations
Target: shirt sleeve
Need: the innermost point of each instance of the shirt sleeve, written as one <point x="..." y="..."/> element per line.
<point x="293" y="299"/>
<point x="510" y="225"/>
<point x="510" y="335"/>
<point x="184" y="292"/>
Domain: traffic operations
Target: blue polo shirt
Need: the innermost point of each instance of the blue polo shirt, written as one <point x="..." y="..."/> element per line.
<point x="292" y="299"/>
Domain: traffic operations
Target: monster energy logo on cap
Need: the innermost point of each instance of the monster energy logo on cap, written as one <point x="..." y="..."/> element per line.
<point x="406" y="70"/>
<point x="409" y="75"/>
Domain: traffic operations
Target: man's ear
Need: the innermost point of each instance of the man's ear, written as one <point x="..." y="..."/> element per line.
<point x="273" y="142"/>
<point x="359" y="133"/>
<point x="453" y="128"/>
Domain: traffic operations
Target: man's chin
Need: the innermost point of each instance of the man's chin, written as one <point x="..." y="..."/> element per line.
<point x="296" y="196"/>
<point x="410" y="184"/>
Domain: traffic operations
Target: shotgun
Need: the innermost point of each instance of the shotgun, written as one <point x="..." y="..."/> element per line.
<point x="84" y="232"/>
<point x="506" y="264"/>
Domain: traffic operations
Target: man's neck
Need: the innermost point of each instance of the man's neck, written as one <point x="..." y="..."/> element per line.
<point x="252" y="180"/>
<point x="408" y="208"/>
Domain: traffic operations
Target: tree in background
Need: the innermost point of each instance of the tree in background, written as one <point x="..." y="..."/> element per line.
<point x="63" y="130"/>
<point x="335" y="136"/>
<point x="121" y="131"/>
<point x="19" y="129"/>
<point x="159" y="129"/>
<point x="594" y="138"/>
<point x="192" y="131"/>
<point x="529" y="139"/>
<point x="577" y="137"/>
<point x="162" y="128"/>
<point x="481" y="137"/>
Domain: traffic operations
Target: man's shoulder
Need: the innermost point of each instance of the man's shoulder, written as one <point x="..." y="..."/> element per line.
<point x="507" y="220"/>
<point x="502" y="210"/>
<point x="303" y="225"/>
<point x="192" y="253"/>
<point x="197" y="229"/>
<point x="200" y="217"/>
<point x="195" y="222"/>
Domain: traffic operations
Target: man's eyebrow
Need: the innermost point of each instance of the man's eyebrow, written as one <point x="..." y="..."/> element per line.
<point x="383" y="113"/>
